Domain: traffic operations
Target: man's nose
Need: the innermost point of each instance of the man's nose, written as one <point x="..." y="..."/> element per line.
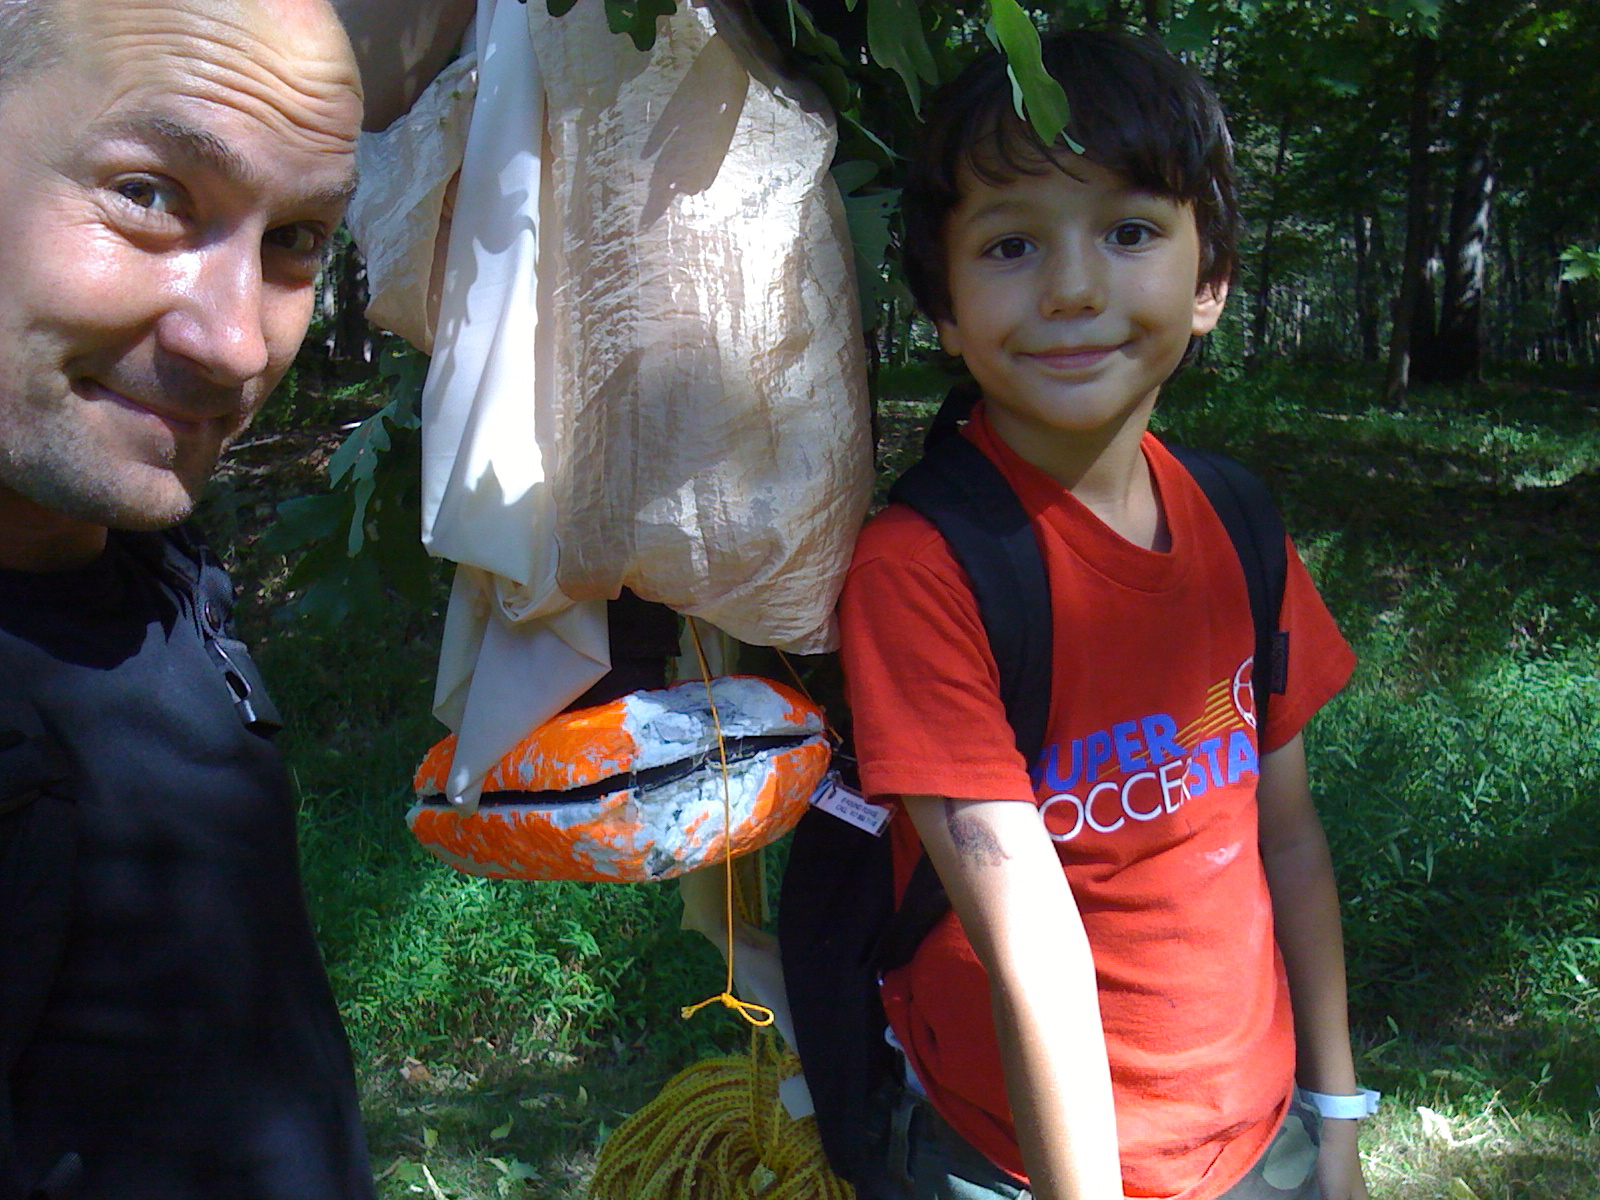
<point x="1074" y="281"/>
<point x="217" y="315"/>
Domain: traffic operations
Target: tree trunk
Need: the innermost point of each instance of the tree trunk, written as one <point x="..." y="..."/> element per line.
<point x="1366" y="289"/>
<point x="1419" y="220"/>
<point x="1261" y="299"/>
<point x="351" y="333"/>
<point x="1458" y="350"/>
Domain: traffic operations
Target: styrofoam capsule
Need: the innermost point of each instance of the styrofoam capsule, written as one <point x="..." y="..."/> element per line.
<point x="632" y="790"/>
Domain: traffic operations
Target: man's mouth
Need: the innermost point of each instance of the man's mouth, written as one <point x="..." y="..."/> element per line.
<point x="182" y="422"/>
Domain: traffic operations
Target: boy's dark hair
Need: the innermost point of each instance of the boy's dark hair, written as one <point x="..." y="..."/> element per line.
<point x="1136" y="110"/>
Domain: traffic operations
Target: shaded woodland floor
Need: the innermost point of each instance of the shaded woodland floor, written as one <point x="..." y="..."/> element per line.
<point x="504" y="1029"/>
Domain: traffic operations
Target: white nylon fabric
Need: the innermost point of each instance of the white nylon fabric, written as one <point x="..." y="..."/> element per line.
<point x="648" y="368"/>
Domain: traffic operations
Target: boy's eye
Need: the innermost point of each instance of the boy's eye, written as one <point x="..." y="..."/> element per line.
<point x="1008" y="247"/>
<point x="1130" y="234"/>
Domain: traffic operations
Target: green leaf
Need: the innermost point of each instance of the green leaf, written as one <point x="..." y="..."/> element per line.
<point x="868" y="218"/>
<point x="854" y="175"/>
<point x="1579" y="262"/>
<point x="896" y="41"/>
<point x="815" y="41"/>
<point x="1193" y="30"/>
<point x="500" y="1132"/>
<point x="430" y="1136"/>
<point x="868" y="215"/>
<point x="1039" y="99"/>
<point x="305" y="521"/>
<point x="559" y="8"/>
<point x="358" y="456"/>
<point x="359" y="499"/>
<point x="1428" y="10"/>
<point x="853" y="120"/>
<point x="637" y="18"/>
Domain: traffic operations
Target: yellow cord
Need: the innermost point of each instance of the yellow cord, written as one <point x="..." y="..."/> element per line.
<point x="718" y="1131"/>
<point x="756" y="1014"/>
<point x="800" y="686"/>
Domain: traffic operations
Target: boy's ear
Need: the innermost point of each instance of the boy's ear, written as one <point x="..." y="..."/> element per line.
<point x="1208" y="305"/>
<point x="949" y="336"/>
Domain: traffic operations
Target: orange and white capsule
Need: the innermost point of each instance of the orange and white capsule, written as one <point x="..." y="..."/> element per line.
<point x="632" y="791"/>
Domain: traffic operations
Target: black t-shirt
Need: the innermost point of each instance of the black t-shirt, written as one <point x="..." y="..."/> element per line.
<point x="190" y="1048"/>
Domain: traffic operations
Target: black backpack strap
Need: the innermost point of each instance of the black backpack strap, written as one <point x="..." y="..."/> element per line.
<point x="1255" y="527"/>
<point x="988" y="531"/>
<point x="839" y="926"/>
<point x="990" y="535"/>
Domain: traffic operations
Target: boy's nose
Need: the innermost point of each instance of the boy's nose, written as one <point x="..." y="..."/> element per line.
<point x="1073" y="282"/>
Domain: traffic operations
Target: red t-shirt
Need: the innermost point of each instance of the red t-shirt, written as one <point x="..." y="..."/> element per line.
<point x="1147" y="784"/>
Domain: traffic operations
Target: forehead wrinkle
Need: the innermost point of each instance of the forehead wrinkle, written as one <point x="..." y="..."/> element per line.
<point x="198" y="147"/>
<point x="204" y="149"/>
<point x="299" y="71"/>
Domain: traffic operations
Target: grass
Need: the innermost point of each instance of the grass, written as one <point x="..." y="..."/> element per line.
<point x="504" y="1029"/>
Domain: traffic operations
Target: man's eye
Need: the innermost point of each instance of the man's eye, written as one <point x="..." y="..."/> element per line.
<point x="1009" y="247"/>
<point x="1132" y="233"/>
<point x="145" y="192"/>
<point x="302" y="241"/>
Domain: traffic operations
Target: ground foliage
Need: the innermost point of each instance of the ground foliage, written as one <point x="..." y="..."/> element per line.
<point x="503" y="1029"/>
<point x="1459" y="776"/>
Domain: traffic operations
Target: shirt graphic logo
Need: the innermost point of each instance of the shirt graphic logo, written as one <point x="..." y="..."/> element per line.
<point x="1144" y="769"/>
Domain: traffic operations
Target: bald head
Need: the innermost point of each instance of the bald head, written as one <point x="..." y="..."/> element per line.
<point x="36" y="33"/>
<point x="30" y="37"/>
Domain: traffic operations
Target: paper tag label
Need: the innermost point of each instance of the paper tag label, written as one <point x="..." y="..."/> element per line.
<point x="833" y="797"/>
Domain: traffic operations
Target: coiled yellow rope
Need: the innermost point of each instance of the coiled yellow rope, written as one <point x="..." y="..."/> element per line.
<point x="718" y="1131"/>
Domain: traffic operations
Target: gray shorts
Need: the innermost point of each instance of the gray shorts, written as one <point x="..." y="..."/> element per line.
<point x="940" y="1165"/>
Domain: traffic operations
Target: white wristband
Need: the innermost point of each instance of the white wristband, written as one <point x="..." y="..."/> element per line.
<point x="1343" y="1108"/>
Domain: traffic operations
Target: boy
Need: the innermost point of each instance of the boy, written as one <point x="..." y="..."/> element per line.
<point x="1113" y="988"/>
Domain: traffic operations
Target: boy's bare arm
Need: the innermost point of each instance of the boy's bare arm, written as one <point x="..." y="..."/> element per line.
<point x="401" y="45"/>
<point x="1005" y="883"/>
<point x="1305" y="911"/>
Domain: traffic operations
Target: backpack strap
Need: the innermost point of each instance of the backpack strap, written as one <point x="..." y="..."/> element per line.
<point x="990" y="535"/>
<point x="1255" y="527"/>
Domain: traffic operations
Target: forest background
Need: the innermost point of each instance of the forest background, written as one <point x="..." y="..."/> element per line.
<point x="1409" y="358"/>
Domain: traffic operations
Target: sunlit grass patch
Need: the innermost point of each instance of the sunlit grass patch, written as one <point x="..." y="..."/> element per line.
<point x="1454" y="539"/>
<point x="1483" y="1151"/>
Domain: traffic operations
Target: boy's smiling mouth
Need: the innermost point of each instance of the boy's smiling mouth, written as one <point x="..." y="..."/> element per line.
<point x="1070" y="358"/>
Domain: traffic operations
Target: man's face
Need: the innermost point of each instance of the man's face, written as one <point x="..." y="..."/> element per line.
<point x="1073" y="297"/>
<point x="165" y="194"/>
